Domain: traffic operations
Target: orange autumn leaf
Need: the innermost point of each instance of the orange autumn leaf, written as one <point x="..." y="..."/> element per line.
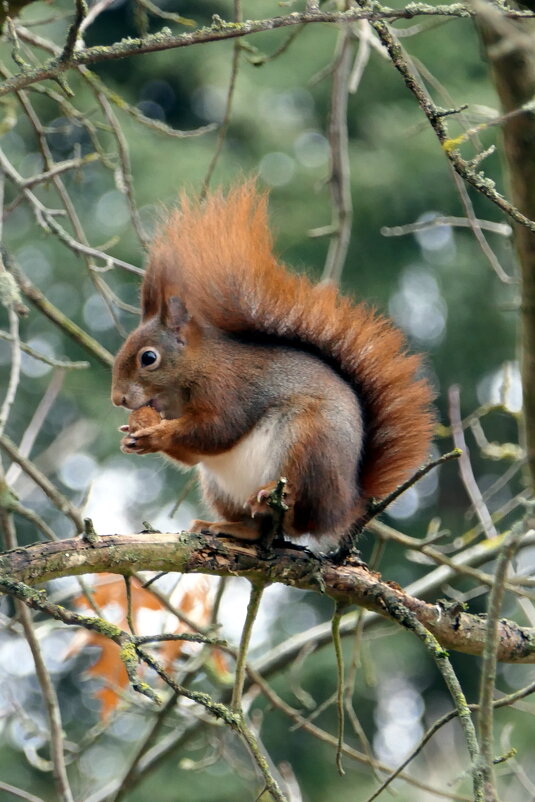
<point x="192" y="598"/>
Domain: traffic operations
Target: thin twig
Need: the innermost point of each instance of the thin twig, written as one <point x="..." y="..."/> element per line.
<point x="96" y="9"/>
<point x="478" y="234"/>
<point x="488" y="667"/>
<point x="408" y="620"/>
<point x="326" y="737"/>
<point x="142" y="746"/>
<point x="57" y="498"/>
<point x="60" y="319"/>
<point x="188" y="637"/>
<point x="340" y="173"/>
<point x="386" y="533"/>
<point x="51" y="703"/>
<point x="335" y="623"/>
<point x="221" y="587"/>
<point x="503" y="229"/>
<point x="252" y="611"/>
<point x="63" y="364"/>
<point x="437" y="120"/>
<point x="350" y="687"/>
<point x="347" y="542"/>
<point x="504" y="701"/>
<point x="362" y="58"/>
<point x="234" y="720"/>
<point x="74" y="31"/>
<point x="164" y="600"/>
<point x="271" y="785"/>
<point x="31" y="516"/>
<point x="47" y="686"/>
<point x="11" y="789"/>
<point x="259" y="59"/>
<point x="380" y="506"/>
<point x="46" y="219"/>
<point x="149" y="122"/>
<point x="465" y="466"/>
<point x="101" y="287"/>
<point x="125" y="167"/>
<point x="98" y="85"/>
<point x="58" y="168"/>
<point x="129" y="612"/>
<point x="168" y="15"/>
<point x="14" y="374"/>
<point x="228" y="105"/>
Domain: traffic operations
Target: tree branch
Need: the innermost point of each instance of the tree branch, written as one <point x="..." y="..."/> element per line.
<point x="221" y="30"/>
<point x="220" y="556"/>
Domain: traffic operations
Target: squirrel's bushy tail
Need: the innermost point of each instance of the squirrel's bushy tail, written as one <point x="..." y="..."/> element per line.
<point x="217" y="257"/>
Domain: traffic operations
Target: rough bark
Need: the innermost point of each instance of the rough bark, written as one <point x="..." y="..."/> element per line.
<point x="191" y="553"/>
<point x="510" y="50"/>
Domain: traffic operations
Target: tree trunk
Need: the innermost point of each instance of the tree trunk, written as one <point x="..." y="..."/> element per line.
<point x="510" y="50"/>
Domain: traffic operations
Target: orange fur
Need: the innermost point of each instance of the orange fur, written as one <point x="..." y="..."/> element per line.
<point x="218" y="256"/>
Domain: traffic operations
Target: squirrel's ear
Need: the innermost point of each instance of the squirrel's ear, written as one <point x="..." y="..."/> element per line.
<point x="174" y="314"/>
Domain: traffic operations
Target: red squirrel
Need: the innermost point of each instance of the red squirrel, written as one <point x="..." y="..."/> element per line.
<point x="251" y="373"/>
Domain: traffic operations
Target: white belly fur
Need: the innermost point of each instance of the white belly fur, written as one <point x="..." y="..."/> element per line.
<point x="254" y="461"/>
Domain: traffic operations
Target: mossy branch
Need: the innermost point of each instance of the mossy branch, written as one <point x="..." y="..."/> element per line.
<point x="221" y="30"/>
<point x="348" y="584"/>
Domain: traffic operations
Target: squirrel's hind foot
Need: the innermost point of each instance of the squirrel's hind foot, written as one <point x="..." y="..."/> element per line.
<point x="237" y="529"/>
<point x="263" y="501"/>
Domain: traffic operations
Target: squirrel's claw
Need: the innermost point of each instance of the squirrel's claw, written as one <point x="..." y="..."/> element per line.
<point x="131" y="445"/>
<point x="144" y="441"/>
<point x="128" y="445"/>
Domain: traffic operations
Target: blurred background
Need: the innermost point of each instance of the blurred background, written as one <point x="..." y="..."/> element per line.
<point x="433" y="280"/>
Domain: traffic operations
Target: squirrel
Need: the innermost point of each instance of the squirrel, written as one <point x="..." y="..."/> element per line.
<point x="252" y="373"/>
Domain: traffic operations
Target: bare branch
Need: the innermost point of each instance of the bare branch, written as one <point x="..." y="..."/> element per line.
<point x="407" y="619"/>
<point x="437" y="120"/>
<point x="92" y="13"/>
<point x="465" y="466"/>
<point x="221" y="30"/>
<point x="57" y="498"/>
<point x="74" y="31"/>
<point x="47" y="687"/>
<point x="461" y="222"/>
<point x="340" y="175"/>
<point x="252" y="612"/>
<point x="477" y="231"/>
<point x="60" y="167"/>
<point x="488" y="668"/>
<point x="14" y="375"/>
<point x="63" y="364"/>
<point x="56" y="316"/>
<point x="11" y="789"/>
<point x="228" y="105"/>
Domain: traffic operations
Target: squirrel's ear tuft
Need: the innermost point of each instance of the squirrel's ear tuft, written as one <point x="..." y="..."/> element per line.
<point x="174" y="314"/>
<point x="150" y="295"/>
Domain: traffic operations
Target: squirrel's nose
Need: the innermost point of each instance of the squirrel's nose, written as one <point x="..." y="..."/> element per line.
<point x="118" y="399"/>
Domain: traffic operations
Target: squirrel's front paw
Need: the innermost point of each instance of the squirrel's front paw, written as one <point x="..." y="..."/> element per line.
<point x="145" y="441"/>
<point x="264" y="500"/>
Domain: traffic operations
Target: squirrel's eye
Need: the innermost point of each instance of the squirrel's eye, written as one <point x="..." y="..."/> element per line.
<point x="149" y="358"/>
